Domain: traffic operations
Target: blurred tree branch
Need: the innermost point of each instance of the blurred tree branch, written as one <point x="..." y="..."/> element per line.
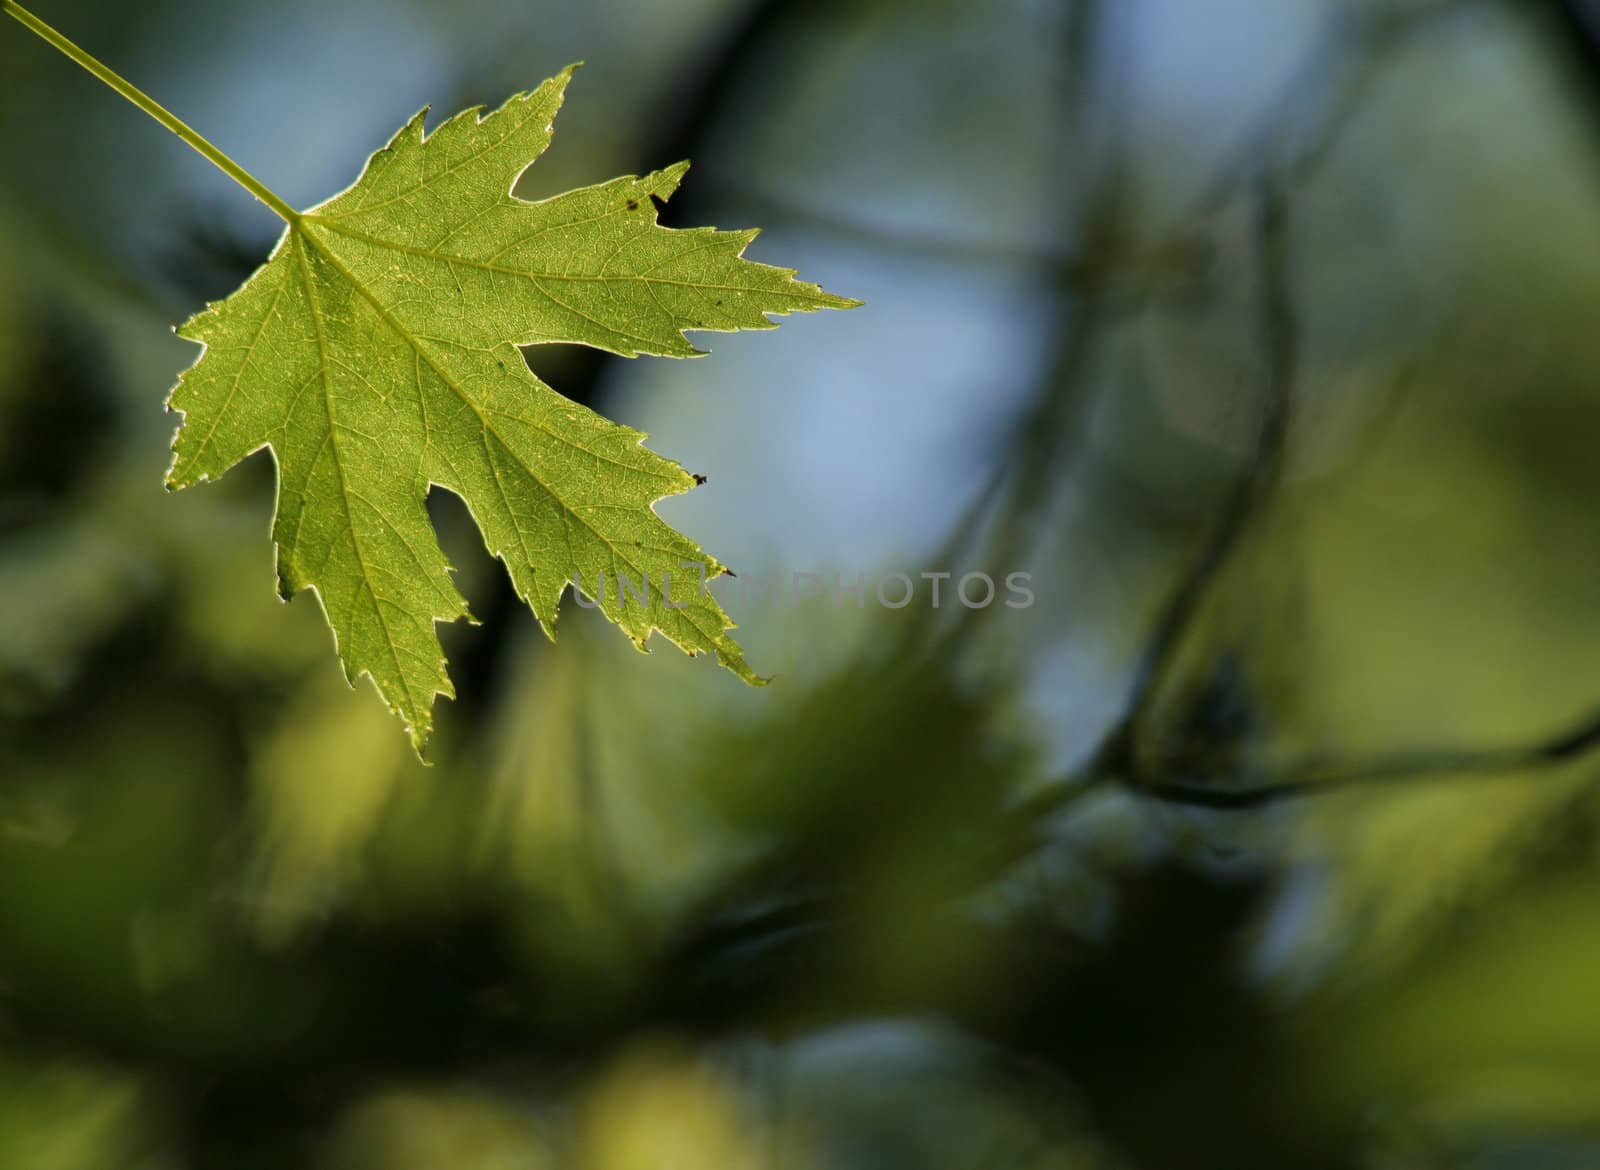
<point x="1349" y="59"/>
<point x="1317" y="779"/>
<point x="1280" y="350"/>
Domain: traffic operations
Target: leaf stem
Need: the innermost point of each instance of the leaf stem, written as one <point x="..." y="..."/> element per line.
<point x="155" y="109"/>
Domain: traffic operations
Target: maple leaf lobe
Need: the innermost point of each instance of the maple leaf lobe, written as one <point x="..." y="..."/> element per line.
<point x="375" y="354"/>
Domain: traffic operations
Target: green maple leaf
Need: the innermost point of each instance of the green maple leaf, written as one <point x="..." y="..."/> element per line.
<point x="375" y="354"/>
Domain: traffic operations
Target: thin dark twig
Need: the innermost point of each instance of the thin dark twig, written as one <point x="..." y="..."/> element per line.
<point x="1345" y="62"/>
<point x="1057" y="426"/>
<point x="1582" y="24"/>
<point x="1254" y="149"/>
<point x="1280" y="346"/>
<point x="1053" y="428"/>
<point x="1115" y="759"/>
<point x="1323" y="779"/>
<point x="1315" y="779"/>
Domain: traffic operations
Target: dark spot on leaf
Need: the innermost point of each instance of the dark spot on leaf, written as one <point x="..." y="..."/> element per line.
<point x="633" y="205"/>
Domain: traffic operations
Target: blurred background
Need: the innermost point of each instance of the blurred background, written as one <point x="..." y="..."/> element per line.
<point x="1261" y="333"/>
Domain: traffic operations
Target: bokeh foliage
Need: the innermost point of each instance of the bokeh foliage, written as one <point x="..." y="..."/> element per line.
<point x="933" y="899"/>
